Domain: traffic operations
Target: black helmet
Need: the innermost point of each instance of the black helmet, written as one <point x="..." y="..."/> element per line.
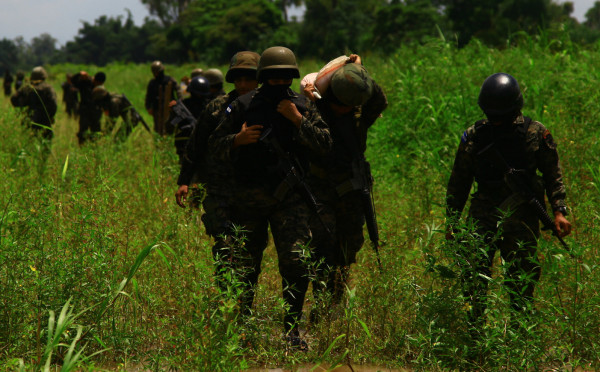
<point x="277" y="62"/>
<point x="500" y="96"/>
<point x="199" y="86"/>
<point x="157" y="67"/>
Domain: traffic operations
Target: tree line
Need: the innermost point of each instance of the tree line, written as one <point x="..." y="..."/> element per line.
<point x="211" y="31"/>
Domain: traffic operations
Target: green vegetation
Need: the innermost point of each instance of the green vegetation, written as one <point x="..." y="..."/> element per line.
<point x="94" y="252"/>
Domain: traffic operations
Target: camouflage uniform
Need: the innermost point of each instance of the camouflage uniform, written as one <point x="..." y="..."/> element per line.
<point x="7" y="83"/>
<point x="89" y="112"/>
<point x="160" y="91"/>
<point x="525" y="145"/>
<point x="342" y="207"/>
<point x="40" y="101"/>
<point x="259" y="193"/>
<point x="69" y="97"/>
<point x="116" y="105"/>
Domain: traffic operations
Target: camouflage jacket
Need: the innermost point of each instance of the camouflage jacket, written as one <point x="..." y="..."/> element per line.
<point x="530" y="148"/>
<point x="39" y="100"/>
<point x="195" y="163"/>
<point x="256" y="164"/>
<point x="349" y="134"/>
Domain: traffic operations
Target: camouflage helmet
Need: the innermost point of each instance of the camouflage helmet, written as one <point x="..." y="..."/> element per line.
<point x="199" y="86"/>
<point x="500" y="96"/>
<point x="214" y="76"/>
<point x="352" y="85"/>
<point x="157" y="67"/>
<point x="20" y="75"/>
<point x="38" y="73"/>
<point x="197" y="72"/>
<point x="277" y="61"/>
<point x="242" y="63"/>
<point x="99" y="93"/>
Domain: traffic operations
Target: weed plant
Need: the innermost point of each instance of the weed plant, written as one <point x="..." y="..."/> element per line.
<point x="94" y="231"/>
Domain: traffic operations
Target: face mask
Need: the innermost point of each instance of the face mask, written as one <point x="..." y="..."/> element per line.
<point x="275" y="92"/>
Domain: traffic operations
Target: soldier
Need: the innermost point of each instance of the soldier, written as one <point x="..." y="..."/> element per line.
<point x="39" y="99"/>
<point x="115" y="106"/>
<point x="89" y="112"/>
<point x="69" y="96"/>
<point x="198" y="166"/>
<point x="504" y="220"/>
<point x="160" y="92"/>
<point x="7" y="83"/>
<point x="215" y="79"/>
<point x="262" y="134"/>
<point x="19" y="80"/>
<point x="342" y="181"/>
<point x="183" y="125"/>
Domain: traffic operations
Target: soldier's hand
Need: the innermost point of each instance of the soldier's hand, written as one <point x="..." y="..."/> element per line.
<point x="308" y="92"/>
<point x="181" y="195"/>
<point x="151" y="111"/>
<point x="289" y="110"/>
<point x="354" y="58"/>
<point x="247" y="135"/>
<point x="172" y="103"/>
<point x="562" y="224"/>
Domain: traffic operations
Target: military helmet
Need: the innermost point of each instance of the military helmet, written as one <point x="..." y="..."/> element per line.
<point x="199" y="86"/>
<point x="214" y="76"/>
<point x="500" y="95"/>
<point x="38" y="73"/>
<point x="352" y="85"/>
<point x="277" y="62"/>
<point x="197" y="72"/>
<point x="242" y="63"/>
<point x="99" y="93"/>
<point x="157" y="67"/>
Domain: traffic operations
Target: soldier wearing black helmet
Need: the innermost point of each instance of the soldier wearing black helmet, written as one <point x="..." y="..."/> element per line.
<point x="182" y="127"/>
<point x="39" y="100"/>
<point x="161" y="90"/>
<point x="350" y="106"/>
<point x="255" y="126"/>
<point x="7" y="83"/>
<point x="506" y="139"/>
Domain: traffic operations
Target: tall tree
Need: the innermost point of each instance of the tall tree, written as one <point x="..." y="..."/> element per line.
<point x="592" y="17"/>
<point x="167" y="11"/>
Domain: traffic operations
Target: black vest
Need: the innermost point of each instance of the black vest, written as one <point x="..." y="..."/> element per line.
<point x="257" y="163"/>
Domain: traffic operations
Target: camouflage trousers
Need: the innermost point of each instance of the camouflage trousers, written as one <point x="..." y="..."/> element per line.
<point x="237" y="253"/>
<point x="254" y="209"/>
<point x="515" y="236"/>
<point x="89" y="123"/>
<point x="336" y="249"/>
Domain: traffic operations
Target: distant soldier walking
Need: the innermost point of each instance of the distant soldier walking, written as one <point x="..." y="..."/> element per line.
<point x="69" y="96"/>
<point x="7" y="83"/>
<point x="39" y="100"/>
<point x="162" y="89"/>
<point x="19" y="80"/>
<point x="499" y="152"/>
<point x="90" y="113"/>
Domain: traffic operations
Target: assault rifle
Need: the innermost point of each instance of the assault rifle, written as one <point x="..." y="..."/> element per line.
<point x="362" y="180"/>
<point x="135" y="114"/>
<point x="518" y="182"/>
<point x="293" y="176"/>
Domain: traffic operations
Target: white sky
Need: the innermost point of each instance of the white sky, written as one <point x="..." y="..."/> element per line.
<point x="63" y="18"/>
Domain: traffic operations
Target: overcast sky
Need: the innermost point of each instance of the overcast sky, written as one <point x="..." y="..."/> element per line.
<point x="63" y="18"/>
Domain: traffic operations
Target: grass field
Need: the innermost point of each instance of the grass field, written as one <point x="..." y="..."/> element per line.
<point x="99" y="269"/>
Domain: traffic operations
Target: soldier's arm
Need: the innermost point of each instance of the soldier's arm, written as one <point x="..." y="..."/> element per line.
<point x="220" y="142"/>
<point x="314" y="132"/>
<point x="461" y="179"/>
<point x="373" y="108"/>
<point x="549" y="165"/>
<point x="19" y="99"/>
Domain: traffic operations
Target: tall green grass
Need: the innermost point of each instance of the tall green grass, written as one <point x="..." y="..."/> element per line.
<point x="74" y="222"/>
